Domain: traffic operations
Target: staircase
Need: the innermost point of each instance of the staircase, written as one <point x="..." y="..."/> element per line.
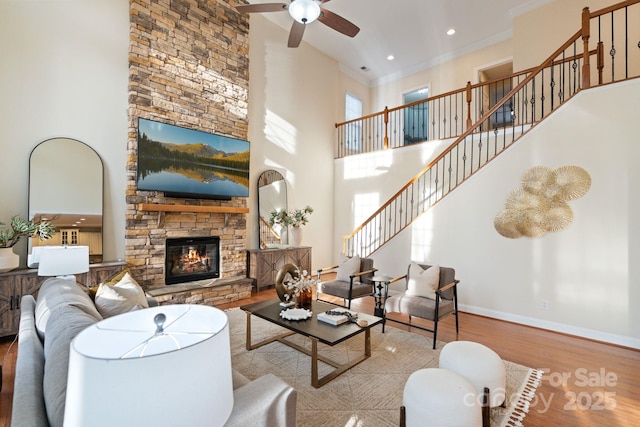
<point x="536" y="93"/>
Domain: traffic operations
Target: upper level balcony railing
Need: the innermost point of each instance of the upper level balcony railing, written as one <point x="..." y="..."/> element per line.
<point x="536" y="93"/>
<point x="450" y="114"/>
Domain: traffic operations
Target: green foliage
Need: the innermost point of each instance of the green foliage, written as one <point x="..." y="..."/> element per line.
<point x="292" y="218"/>
<point x="20" y="227"/>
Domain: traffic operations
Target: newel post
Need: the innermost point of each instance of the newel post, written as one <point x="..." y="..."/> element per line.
<point x="468" y="91"/>
<point x="586" y="32"/>
<point x="386" y="128"/>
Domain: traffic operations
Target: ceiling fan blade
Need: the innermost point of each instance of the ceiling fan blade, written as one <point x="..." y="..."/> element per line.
<point x="295" y="35"/>
<point x="262" y="7"/>
<point x="338" y="23"/>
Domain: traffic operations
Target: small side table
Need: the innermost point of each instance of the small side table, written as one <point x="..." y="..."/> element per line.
<point x="380" y="283"/>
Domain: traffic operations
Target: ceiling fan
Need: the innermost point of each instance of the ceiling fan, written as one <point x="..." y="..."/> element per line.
<point x="304" y="12"/>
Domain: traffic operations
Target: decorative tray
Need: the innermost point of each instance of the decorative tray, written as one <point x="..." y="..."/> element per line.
<point x="296" y="314"/>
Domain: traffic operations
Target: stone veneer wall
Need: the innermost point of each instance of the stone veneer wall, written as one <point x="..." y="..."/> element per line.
<point x="188" y="66"/>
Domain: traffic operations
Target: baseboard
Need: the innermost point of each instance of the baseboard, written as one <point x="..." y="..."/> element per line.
<point x="554" y="326"/>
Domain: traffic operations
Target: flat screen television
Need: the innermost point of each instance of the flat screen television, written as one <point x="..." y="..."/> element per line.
<point x="184" y="162"/>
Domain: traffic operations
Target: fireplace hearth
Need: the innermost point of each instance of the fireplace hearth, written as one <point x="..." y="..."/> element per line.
<point x="192" y="258"/>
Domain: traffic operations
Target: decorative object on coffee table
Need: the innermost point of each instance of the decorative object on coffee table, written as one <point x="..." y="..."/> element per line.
<point x="296" y="314"/>
<point x="303" y="300"/>
<point x="284" y="292"/>
<point x="298" y="285"/>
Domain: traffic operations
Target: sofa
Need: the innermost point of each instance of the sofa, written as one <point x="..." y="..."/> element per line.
<point x="62" y="310"/>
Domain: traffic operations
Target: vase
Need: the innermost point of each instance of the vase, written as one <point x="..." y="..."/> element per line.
<point x="8" y="260"/>
<point x="284" y="236"/>
<point x="295" y="237"/>
<point x="304" y="299"/>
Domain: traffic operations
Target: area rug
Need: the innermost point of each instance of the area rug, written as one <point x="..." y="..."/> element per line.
<point x="369" y="394"/>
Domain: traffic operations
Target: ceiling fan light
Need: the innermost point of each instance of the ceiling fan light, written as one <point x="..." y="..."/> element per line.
<point x="304" y="11"/>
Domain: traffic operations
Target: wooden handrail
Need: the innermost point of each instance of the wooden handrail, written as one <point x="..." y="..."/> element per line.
<point x="613" y="8"/>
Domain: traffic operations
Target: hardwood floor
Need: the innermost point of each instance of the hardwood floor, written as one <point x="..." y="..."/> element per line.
<point x="587" y="383"/>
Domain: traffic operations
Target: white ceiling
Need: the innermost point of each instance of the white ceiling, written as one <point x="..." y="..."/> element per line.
<point x="413" y="31"/>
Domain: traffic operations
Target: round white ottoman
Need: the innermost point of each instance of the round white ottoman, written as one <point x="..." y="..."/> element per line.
<point x="438" y="397"/>
<point x="480" y="365"/>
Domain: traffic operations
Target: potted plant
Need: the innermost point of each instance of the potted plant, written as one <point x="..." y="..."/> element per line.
<point x="295" y="218"/>
<point x="11" y="234"/>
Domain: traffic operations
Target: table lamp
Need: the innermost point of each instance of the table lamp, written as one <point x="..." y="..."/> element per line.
<point x="63" y="261"/>
<point x="162" y="366"/>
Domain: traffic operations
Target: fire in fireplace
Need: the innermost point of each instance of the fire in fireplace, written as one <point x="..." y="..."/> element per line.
<point x="192" y="258"/>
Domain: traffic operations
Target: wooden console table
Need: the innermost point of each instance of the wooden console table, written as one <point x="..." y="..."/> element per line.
<point x="263" y="264"/>
<point x="14" y="284"/>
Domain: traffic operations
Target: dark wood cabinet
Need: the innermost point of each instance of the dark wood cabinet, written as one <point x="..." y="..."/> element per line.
<point x="16" y="283"/>
<point x="263" y="264"/>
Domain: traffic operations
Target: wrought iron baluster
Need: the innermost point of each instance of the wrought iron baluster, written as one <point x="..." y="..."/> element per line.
<point x="612" y="52"/>
<point x="626" y="42"/>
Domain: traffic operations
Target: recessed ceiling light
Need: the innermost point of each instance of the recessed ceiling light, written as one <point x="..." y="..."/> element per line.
<point x="451" y="32"/>
<point x="390" y="57"/>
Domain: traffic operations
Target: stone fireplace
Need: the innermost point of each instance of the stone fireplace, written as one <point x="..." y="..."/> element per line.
<point x="188" y="66"/>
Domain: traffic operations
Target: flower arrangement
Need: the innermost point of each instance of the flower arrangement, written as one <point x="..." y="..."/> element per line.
<point x="292" y="218"/>
<point x="300" y="284"/>
<point x="20" y="227"/>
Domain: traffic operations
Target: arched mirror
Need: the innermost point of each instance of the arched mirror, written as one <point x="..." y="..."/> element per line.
<point x="65" y="188"/>
<point x="272" y="195"/>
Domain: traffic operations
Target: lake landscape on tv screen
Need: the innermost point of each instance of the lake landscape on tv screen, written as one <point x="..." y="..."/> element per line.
<point x="184" y="161"/>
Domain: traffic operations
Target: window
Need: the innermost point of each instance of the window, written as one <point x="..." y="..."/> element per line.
<point x="353" y="110"/>
<point x="416" y="117"/>
<point x="499" y="85"/>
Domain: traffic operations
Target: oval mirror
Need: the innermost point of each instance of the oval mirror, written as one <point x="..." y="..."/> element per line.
<point x="65" y="188"/>
<point x="272" y="195"/>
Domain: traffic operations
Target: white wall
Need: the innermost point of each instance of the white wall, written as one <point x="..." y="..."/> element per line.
<point x="64" y="73"/>
<point x="585" y="272"/>
<point x="293" y="94"/>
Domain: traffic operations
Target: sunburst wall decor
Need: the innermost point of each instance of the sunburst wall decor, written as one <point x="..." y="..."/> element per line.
<point x="540" y="205"/>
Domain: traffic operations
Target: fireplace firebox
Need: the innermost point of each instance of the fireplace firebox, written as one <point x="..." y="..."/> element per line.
<point x="192" y="258"/>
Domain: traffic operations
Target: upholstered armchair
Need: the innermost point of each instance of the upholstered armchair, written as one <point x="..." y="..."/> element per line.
<point x="353" y="280"/>
<point x="431" y="293"/>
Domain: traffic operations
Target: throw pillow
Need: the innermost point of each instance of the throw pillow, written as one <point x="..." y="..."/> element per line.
<point x="124" y="296"/>
<point x="117" y="277"/>
<point x="348" y="267"/>
<point x="421" y="282"/>
<point x="111" y="280"/>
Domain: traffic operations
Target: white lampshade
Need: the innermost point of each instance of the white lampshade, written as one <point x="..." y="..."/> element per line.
<point x="63" y="260"/>
<point x="304" y="11"/>
<point x="127" y="371"/>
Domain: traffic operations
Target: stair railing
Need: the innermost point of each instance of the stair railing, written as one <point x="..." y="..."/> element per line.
<point x="541" y="92"/>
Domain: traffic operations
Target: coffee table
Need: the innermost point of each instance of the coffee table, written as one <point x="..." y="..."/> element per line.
<point x="314" y="329"/>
